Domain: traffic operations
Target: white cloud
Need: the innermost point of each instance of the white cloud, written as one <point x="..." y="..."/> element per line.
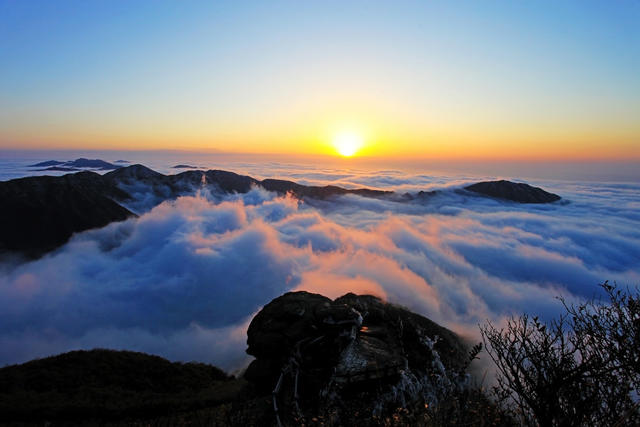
<point x="184" y="279"/>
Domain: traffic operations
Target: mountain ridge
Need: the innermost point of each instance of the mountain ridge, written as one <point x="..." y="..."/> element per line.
<point x="41" y="213"/>
<point x="77" y="163"/>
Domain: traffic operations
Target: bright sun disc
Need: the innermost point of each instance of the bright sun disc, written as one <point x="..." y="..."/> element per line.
<point x="347" y="143"/>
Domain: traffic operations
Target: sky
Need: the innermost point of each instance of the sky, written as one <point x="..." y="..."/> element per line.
<point x="467" y="80"/>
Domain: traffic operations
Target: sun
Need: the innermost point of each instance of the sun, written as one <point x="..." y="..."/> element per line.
<point x="347" y="143"/>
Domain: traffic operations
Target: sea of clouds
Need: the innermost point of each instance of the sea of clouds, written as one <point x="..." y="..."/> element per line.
<point x="185" y="278"/>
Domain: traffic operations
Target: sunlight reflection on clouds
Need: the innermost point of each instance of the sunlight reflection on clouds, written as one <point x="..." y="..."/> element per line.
<point x="184" y="278"/>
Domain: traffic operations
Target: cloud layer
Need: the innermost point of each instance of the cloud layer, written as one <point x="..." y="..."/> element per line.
<point x="184" y="279"/>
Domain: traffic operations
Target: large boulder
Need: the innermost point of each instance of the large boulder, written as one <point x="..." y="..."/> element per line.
<point x="356" y="354"/>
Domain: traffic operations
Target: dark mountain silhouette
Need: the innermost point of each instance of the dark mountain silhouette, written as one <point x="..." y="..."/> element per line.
<point x="95" y="163"/>
<point x="47" y="163"/>
<point x="301" y="191"/>
<point x="137" y="172"/>
<point x="184" y="167"/>
<point x="514" y="191"/>
<point x="355" y="360"/>
<point x="41" y="213"/>
<point x="79" y="163"/>
<point x="224" y="181"/>
<point x="108" y="385"/>
<point x="59" y="169"/>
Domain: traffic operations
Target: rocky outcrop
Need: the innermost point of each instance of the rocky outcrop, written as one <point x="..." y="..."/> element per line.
<point x="353" y="355"/>
<point x="514" y="191"/>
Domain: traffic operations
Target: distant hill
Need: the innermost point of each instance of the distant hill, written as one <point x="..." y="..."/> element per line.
<point x="79" y="163"/>
<point x="95" y="163"/>
<point x="59" y="169"/>
<point x="516" y="192"/>
<point x="47" y="163"/>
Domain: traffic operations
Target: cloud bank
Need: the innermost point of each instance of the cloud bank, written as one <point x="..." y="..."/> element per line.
<point x="184" y="279"/>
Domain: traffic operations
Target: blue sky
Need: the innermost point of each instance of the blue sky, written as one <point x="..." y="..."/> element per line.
<point x="262" y="74"/>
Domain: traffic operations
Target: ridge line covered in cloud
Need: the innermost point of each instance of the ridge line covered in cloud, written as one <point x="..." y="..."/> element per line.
<point x="184" y="278"/>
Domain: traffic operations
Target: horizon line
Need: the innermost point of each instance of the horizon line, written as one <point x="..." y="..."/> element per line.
<point x="354" y="159"/>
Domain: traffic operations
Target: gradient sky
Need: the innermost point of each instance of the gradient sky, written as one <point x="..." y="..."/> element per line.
<point x="482" y="79"/>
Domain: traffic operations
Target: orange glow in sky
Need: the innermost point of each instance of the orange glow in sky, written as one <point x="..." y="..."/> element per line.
<point x="429" y="80"/>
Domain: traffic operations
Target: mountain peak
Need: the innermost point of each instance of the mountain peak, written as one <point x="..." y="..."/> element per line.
<point x="136" y="171"/>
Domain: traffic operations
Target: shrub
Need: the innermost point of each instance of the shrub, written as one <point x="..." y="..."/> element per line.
<point x="582" y="368"/>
